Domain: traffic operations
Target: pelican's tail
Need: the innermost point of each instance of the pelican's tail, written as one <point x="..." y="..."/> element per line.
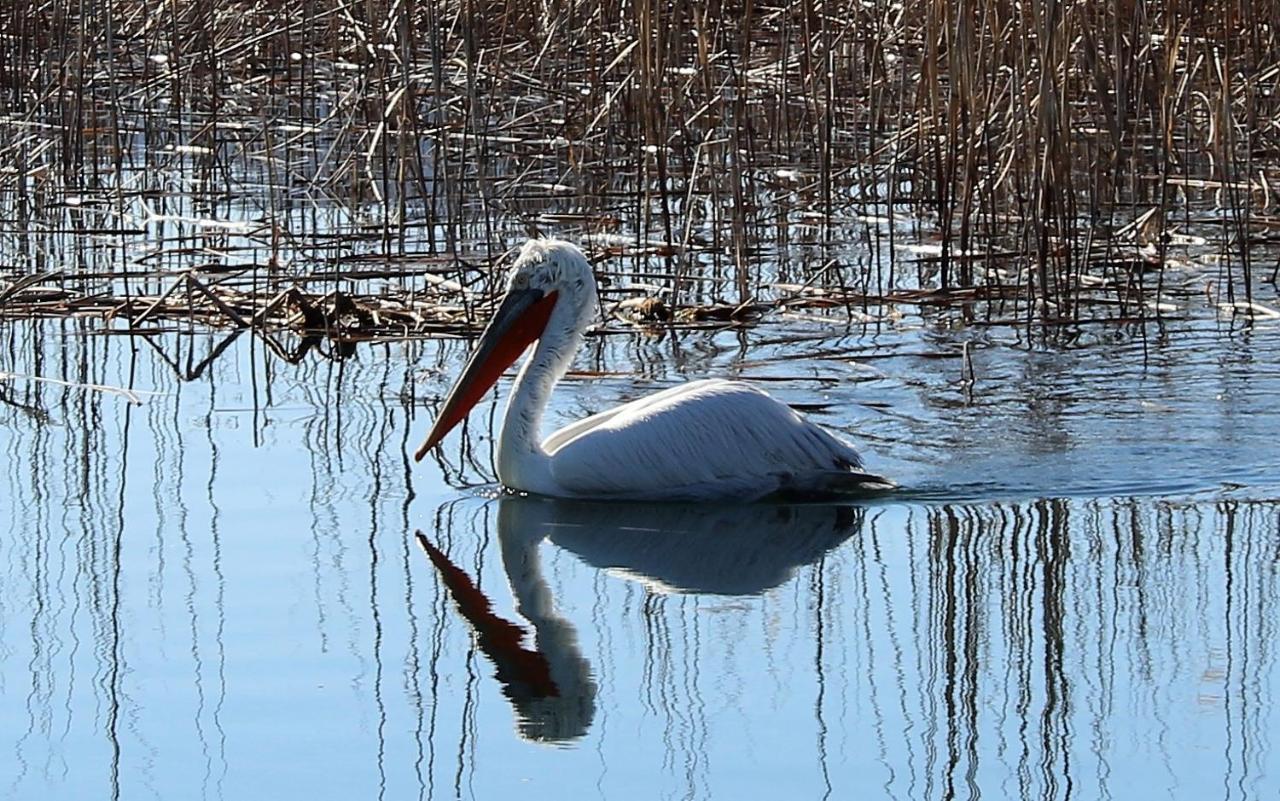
<point x="834" y="485"/>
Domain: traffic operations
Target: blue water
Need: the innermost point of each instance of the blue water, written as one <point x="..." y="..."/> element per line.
<point x="217" y="592"/>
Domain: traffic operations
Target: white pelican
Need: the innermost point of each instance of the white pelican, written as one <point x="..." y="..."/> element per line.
<point x="704" y="440"/>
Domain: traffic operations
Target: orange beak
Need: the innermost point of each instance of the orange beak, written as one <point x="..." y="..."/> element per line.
<point x="517" y="323"/>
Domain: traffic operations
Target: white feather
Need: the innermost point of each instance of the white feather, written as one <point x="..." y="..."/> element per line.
<point x="705" y="439"/>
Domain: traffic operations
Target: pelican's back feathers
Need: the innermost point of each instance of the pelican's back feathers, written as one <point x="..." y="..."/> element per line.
<point x="703" y="440"/>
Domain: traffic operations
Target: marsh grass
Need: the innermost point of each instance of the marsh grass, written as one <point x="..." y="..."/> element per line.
<point x="259" y="164"/>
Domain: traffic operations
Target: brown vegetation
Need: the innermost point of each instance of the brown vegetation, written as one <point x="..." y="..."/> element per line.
<point x="243" y="162"/>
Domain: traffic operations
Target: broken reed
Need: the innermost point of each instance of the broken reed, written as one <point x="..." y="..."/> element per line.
<point x="1023" y="138"/>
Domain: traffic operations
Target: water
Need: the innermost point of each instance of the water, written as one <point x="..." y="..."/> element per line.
<point x="217" y="592"/>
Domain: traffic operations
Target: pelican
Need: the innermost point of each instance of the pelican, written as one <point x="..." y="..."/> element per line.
<point x="704" y="440"/>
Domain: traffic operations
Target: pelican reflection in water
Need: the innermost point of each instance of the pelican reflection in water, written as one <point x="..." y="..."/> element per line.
<point x="703" y="440"/>
<point x="669" y="548"/>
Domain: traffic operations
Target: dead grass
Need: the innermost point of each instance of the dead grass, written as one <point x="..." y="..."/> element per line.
<point x="1040" y="163"/>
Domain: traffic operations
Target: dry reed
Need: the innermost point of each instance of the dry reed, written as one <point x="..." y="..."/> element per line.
<point x="1046" y="163"/>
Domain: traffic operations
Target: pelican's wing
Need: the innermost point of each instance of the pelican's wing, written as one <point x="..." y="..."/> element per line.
<point x="569" y="432"/>
<point x="704" y="440"/>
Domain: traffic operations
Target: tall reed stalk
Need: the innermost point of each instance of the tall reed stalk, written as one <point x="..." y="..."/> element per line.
<point x="1045" y="148"/>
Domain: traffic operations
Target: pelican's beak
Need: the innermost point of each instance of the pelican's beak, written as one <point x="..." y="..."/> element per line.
<point x="519" y="321"/>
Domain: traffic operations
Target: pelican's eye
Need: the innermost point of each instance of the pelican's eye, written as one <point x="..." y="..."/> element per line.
<point x="519" y="281"/>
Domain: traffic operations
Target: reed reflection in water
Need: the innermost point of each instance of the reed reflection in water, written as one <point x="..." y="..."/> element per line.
<point x="1033" y="650"/>
<point x="217" y="594"/>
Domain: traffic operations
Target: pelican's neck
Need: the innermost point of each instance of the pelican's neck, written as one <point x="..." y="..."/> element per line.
<point x="522" y="463"/>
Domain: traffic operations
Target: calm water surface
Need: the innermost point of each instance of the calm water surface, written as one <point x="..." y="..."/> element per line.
<point x="216" y="591"/>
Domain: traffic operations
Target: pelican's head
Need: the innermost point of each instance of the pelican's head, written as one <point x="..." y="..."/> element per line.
<point x="551" y="296"/>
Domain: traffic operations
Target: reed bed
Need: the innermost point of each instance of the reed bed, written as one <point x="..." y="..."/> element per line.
<point x="362" y="168"/>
